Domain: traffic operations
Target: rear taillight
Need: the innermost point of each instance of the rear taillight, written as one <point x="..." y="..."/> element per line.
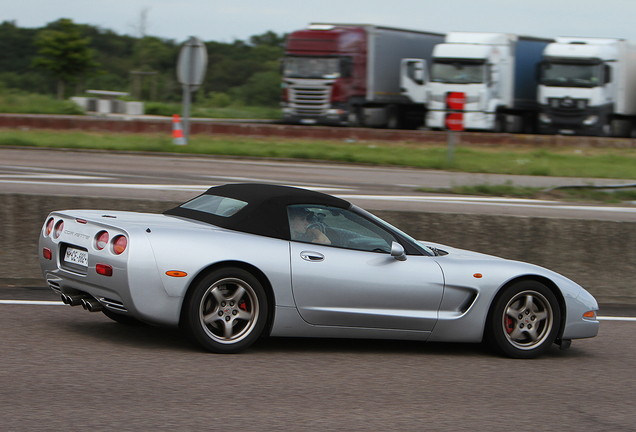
<point x="120" y="243"/>
<point x="59" y="226"/>
<point x="49" y="227"/>
<point x="101" y="240"/>
<point x="47" y="254"/>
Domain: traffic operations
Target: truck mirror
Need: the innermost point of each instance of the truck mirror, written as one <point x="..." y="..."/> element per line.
<point x="419" y="76"/>
<point x="415" y="71"/>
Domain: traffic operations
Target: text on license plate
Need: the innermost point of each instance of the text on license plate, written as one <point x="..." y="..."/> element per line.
<point x="76" y="256"/>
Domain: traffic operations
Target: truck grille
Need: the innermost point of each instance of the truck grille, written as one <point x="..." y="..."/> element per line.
<point x="567" y="107"/>
<point x="309" y="100"/>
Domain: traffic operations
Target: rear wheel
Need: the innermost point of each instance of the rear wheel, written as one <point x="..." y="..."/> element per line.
<point x="524" y="322"/>
<point x="226" y="311"/>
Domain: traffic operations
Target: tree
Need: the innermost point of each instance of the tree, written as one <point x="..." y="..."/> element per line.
<point x="64" y="53"/>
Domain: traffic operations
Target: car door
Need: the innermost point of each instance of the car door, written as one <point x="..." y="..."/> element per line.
<point x="357" y="283"/>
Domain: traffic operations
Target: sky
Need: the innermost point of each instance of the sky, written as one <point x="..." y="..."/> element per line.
<point x="226" y="21"/>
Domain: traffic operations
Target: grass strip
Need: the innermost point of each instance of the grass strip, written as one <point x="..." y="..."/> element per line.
<point x="618" y="163"/>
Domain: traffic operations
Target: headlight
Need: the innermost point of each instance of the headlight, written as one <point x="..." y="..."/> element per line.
<point x="590" y="120"/>
<point x="544" y="118"/>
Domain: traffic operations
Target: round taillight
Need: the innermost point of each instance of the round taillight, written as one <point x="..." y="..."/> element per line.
<point x="59" y="226"/>
<point x="101" y="240"/>
<point x="120" y="243"/>
<point x="49" y="227"/>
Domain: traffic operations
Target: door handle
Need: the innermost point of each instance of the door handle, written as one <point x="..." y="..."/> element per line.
<point x="312" y="256"/>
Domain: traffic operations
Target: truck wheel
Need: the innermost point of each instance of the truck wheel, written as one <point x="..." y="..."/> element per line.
<point x="500" y="123"/>
<point x="356" y="117"/>
<point x="392" y="117"/>
<point x="226" y="311"/>
<point x="524" y="321"/>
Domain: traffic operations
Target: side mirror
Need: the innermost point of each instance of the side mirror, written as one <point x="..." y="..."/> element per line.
<point x="397" y="251"/>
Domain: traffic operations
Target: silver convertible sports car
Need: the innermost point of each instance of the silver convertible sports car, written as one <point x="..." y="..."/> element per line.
<point x="242" y="260"/>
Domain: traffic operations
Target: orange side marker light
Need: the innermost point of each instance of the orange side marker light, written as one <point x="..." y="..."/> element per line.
<point x="478" y="275"/>
<point x="176" y="273"/>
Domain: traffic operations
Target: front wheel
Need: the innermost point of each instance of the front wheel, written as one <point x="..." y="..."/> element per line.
<point x="524" y="322"/>
<point x="226" y="311"/>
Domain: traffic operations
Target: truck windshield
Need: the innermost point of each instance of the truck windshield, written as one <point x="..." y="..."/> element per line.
<point x="311" y="67"/>
<point x="458" y="71"/>
<point x="570" y="74"/>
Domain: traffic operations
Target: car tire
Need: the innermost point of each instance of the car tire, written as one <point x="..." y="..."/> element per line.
<point x="123" y="319"/>
<point x="226" y="311"/>
<point x="524" y="321"/>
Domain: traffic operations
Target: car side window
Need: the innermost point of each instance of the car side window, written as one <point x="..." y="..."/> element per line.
<point x="337" y="227"/>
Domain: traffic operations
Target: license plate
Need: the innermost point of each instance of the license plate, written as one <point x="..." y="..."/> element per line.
<point x="76" y="256"/>
<point x="308" y="121"/>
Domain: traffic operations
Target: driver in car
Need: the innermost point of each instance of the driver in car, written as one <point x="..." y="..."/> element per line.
<point x="305" y="227"/>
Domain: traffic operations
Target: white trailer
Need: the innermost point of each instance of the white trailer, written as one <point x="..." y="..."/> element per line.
<point x="482" y="81"/>
<point x="588" y="87"/>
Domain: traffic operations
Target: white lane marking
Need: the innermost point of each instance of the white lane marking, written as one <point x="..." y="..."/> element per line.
<point x="31" y="302"/>
<point x="59" y="303"/>
<point x="510" y="202"/>
<point x="54" y="176"/>
<point x="116" y="185"/>
<point x="164" y="187"/>
<point x="616" y="318"/>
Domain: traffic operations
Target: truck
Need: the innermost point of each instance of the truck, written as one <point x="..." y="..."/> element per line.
<point x="588" y="87"/>
<point x="349" y="75"/>
<point x="484" y="82"/>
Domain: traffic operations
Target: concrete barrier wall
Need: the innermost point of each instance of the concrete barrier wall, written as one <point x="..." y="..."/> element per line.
<point x="598" y="255"/>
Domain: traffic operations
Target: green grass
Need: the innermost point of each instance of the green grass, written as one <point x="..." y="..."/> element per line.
<point x="619" y="163"/>
<point x="25" y="103"/>
<point x="564" y="194"/>
<point x="229" y="112"/>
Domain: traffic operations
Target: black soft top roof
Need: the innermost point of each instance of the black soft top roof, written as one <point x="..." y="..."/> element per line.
<point x="266" y="210"/>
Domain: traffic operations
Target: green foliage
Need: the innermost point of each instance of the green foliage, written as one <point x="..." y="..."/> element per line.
<point x="262" y="89"/>
<point x="63" y="52"/>
<point x="35" y="59"/>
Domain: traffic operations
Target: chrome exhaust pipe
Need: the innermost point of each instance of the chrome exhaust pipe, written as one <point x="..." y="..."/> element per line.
<point x="72" y="300"/>
<point x="91" y="305"/>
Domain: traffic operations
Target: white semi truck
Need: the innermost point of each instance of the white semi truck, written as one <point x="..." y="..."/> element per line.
<point x="588" y="87"/>
<point x="483" y="81"/>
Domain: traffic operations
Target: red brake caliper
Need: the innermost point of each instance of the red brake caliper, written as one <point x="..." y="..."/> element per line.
<point x="243" y="306"/>
<point x="510" y="325"/>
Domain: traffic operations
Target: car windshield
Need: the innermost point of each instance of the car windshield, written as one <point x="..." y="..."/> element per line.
<point x="216" y="205"/>
<point x="425" y="248"/>
<point x="311" y="67"/>
<point x="458" y="71"/>
<point x="570" y="74"/>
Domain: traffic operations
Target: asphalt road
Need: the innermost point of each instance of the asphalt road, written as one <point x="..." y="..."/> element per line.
<point x="178" y="178"/>
<point x="63" y="368"/>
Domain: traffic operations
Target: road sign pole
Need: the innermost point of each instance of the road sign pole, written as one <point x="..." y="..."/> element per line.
<point x="186" y="112"/>
<point x="451" y="146"/>
<point x="191" y="66"/>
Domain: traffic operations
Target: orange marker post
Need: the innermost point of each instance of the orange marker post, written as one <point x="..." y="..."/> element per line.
<point x="177" y="131"/>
